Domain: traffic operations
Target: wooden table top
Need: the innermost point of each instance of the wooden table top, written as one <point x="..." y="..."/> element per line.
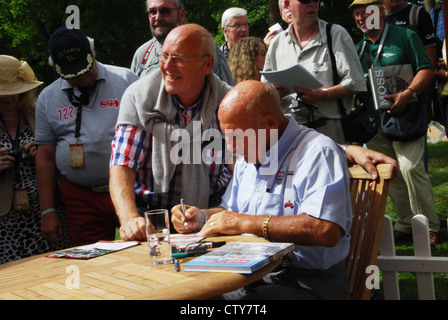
<point x="125" y="274"/>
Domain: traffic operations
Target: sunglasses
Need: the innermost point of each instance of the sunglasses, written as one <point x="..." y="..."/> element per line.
<point x="307" y="1"/>
<point x="164" y="12"/>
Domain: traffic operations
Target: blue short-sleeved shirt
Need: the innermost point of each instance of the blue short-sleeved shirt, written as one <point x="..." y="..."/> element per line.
<point x="321" y="189"/>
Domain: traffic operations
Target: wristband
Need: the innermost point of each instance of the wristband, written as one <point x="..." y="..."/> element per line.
<point x="204" y="222"/>
<point x="47" y="211"/>
<point x="414" y="94"/>
<point x="325" y="94"/>
<point x="265" y="226"/>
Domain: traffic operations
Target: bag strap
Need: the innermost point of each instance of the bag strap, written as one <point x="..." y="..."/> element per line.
<point x="413" y="17"/>
<point x="333" y="65"/>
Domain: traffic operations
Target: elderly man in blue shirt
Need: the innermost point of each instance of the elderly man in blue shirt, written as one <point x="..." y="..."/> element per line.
<point x="316" y="218"/>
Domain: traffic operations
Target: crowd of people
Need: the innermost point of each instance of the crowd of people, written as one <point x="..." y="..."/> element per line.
<point x="94" y="150"/>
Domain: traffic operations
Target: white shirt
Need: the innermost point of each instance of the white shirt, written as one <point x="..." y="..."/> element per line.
<point x="284" y="52"/>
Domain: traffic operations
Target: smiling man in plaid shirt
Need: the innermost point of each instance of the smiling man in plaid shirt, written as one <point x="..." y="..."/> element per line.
<point x="183" y="94"/>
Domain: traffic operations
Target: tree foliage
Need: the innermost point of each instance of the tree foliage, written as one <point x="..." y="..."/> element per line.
<point x="120" y="27"/>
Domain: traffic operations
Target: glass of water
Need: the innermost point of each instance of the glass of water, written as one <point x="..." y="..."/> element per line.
<point x="158" y="235"/>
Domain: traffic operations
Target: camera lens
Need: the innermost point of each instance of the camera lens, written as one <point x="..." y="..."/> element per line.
<point x="24" y="155"/>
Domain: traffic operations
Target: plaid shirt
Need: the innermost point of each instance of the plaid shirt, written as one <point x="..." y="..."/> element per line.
<point x="440" y="27"/>
<point x="132" y="147"/>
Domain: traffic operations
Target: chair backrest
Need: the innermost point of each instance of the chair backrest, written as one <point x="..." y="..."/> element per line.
<point x="369" y="204"/>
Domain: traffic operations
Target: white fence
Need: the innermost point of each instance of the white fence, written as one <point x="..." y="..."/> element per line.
<point x="422" y="263"/>
<point x="436" y="133"/>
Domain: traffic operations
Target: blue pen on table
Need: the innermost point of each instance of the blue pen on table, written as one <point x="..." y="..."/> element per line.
<point x="176" y="264"/>
<point x="183" y="212"/>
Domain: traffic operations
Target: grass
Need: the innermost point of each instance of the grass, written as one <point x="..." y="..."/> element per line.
<point x="438" y="174"/>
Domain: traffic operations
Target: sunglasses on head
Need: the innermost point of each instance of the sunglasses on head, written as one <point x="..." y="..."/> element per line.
<point x="307" y="1"/>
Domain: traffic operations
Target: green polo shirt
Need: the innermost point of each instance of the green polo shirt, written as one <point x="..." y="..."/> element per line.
<point x="401" y="46"/>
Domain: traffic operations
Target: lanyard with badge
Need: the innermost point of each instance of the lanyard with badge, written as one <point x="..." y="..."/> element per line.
<point x="20" y="196"/>
<point x="76" y="153"/>
<point x="380" y="48"/>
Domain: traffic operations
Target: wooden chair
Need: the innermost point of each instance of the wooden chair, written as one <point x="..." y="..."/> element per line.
<point x="369" y="204"/>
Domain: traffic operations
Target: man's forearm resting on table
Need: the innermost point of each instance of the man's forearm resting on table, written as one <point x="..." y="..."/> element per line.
<point x="122" y="192"/>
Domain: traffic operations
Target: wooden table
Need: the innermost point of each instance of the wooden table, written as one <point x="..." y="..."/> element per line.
<point x="125" y="274"/>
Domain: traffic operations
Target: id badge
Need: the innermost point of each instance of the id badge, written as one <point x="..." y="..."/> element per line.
<point x="76" y="156"/>
<point x="20" y="200"/>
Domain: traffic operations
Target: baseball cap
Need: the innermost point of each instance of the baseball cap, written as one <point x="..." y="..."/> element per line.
<point x="365" y="3"/>
<point x="71" y="53"/>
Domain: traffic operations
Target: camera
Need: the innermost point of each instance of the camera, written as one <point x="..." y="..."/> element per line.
<point x="301" y="108"/>
<point x="19" y="155"/>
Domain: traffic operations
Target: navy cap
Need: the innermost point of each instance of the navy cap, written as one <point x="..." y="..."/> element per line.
<point x="71" y="53"/>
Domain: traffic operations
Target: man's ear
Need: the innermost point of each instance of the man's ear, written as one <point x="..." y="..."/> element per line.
<point x="271" y="122"/>
<point x="182" y="15"/>
<point x="210" y="61"/>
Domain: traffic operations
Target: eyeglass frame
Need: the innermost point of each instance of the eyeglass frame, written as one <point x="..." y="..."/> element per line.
<point x="178" y="61"/>
<point x="152" y="13"/>
<point x="362" y="14"/>
<point x="238" y="26"/>
<point x="308" y="1"/>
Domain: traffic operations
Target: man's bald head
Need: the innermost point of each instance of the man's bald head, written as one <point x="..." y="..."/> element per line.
<point x="251" y="99"/>
<point x="252" y="119"/>
<point x="194" y="37"/>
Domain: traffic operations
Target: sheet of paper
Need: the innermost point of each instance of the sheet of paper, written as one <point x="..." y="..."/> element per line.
<point x="276" y="27"/>
<point x="111" y="245"/>
<point x="294" y="76"/>
<point x="182" y="240"/>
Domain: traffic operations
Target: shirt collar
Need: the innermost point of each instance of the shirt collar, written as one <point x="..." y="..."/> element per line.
<point x="319" y="38"/>
<point x="287" y="138"/>
<point x="100" y="76"/>
<point x="195" y="107"/>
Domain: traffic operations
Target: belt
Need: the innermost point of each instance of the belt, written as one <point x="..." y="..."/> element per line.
<point x="100" y="188"/>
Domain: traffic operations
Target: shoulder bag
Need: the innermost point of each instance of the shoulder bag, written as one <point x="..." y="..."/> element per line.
<point x="361" y="124"/>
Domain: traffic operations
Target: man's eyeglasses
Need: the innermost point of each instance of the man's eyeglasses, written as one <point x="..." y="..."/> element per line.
<point x="178" y="61"/>
<point x="307" y="1"/>
<point x="360" y="14"/>
<point x="239" y="26"/>
<point x="164" y="12"/>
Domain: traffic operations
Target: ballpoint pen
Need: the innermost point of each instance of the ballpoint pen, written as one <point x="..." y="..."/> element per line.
<point x="176" y="264"/>
<point x="187" y="254"/>
<point x="183" y="212"/>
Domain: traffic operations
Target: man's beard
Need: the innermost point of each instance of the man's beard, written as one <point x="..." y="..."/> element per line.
<point x="160" y="36"/>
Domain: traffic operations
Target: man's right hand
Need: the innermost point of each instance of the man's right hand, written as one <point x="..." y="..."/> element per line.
<point x="51" y="228"/>
<point x="133" y="230"/>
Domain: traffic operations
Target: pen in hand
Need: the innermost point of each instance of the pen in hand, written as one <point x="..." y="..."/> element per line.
<point x="183" y="212"/>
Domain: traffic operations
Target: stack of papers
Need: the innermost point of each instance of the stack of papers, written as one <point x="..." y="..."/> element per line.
<point x="294" y="76"/>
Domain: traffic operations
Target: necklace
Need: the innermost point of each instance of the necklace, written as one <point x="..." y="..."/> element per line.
<point x="10" y="119"/>
<point x="309" y="40"/>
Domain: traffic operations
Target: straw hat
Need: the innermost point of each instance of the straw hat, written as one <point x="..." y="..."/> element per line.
<point x="16" y="76"/>
<point x="364" y="3"/>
